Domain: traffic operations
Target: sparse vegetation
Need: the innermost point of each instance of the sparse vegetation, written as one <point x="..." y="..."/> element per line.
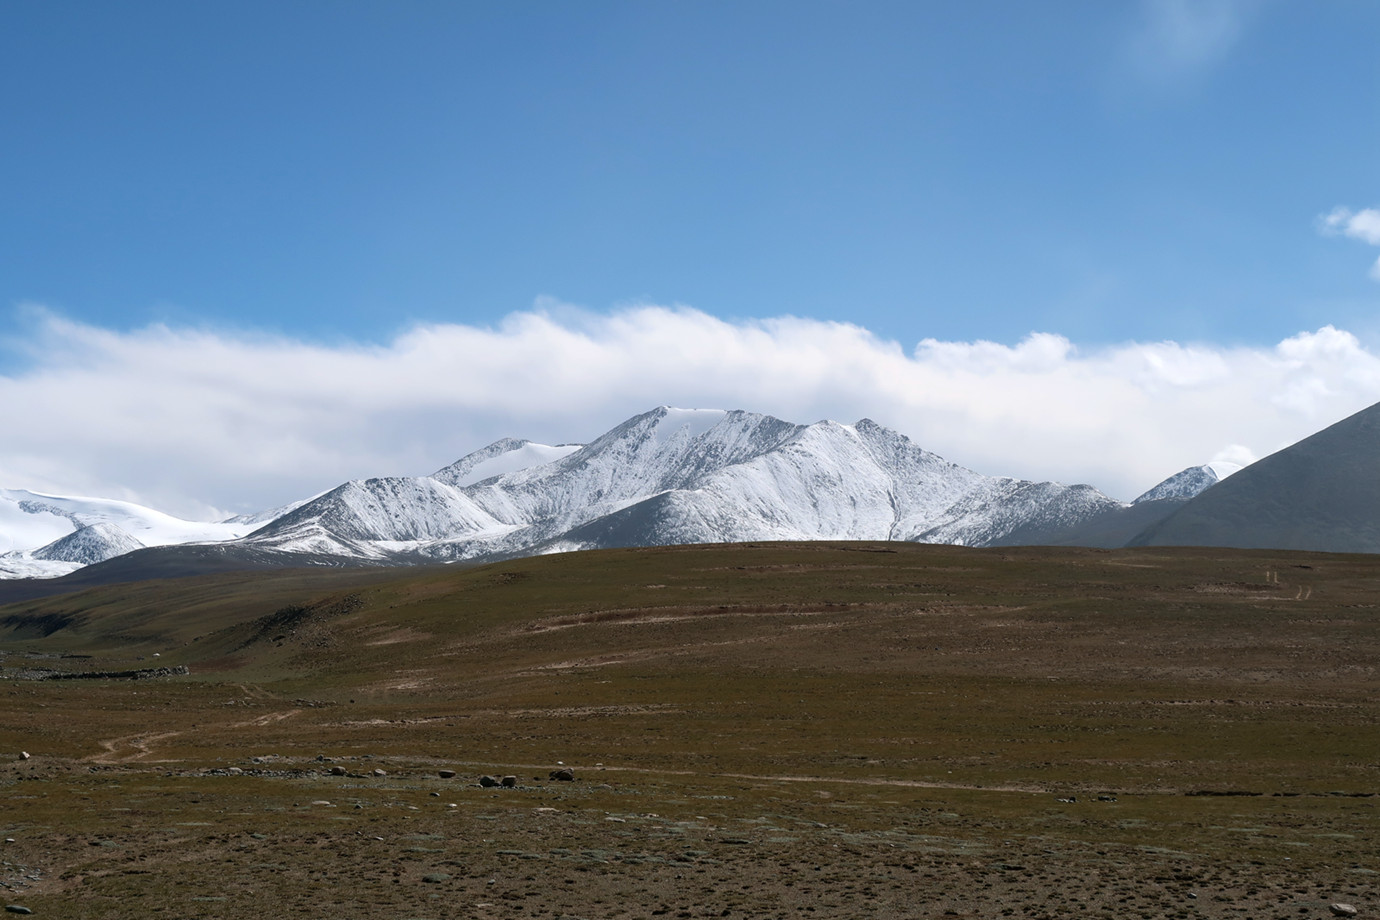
<point x="874" y="730"/>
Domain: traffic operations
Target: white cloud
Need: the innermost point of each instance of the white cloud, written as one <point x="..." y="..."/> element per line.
<point x="191" y="420"/>
<point x="1363" y="225"/>
<point x="1176" y="39"/>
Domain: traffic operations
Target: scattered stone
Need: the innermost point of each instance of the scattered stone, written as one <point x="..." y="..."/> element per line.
<point x="435" y="795"/>
<point x="337" y="771"/>
<point x="1106" y="798"/>
<point x="564" y="775"/>
<point x="379" y="772"/>
<point x="1071" y="799"/>
<point x="17" y="909"/>
<point x="509" y="782"/>
<point x="446" y="774"/>
<point x="487" y="781"/>
<point x="1343" y="910"/>
<point x="234" y="771"/>
<point x="24" y="755"/>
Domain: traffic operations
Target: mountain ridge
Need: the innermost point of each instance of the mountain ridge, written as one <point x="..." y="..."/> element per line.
<point x="1321" y="493"/>
<point x="663" y="476"/>
<point x="686" y="476"/>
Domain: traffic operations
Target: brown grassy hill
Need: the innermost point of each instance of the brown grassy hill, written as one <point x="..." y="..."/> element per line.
<point x="884" y="730"/>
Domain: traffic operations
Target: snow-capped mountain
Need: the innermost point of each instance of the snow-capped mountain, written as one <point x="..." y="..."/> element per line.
<point x="681" y="476"/>
<point x="42" y="536"/>
<point x="1188" y="483"/>
<point x="88" y="545"/>
<point x="666" y="476"/>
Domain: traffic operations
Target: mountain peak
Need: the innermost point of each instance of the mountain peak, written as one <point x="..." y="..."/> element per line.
<point x="1184" y="485"/>
<point x="89" y="544"/>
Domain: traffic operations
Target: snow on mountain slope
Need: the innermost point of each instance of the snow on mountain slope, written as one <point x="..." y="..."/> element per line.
<point x="352" y="517"/>
<point x="31" y="522"/>
<point x="428" y="517"/>
<point x="925" y="485"/>
<point x="674" y="476"/>
<point x="507" y="455"/>
<point x="88" y="545"/>
<point x="659" y="479"/>
<point x="1182" y="485"/>
<point x="26" y="522"/>
<point x="1004" y="512"/>
<point x="665" y="476"/>
<point x="149" y="527"/>
<point x="524" y="455"/>
<point x="651" y="453"/>
<point x="821" y="483"/>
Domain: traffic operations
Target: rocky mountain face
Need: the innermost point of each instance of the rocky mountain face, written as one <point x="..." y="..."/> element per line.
<point x="89" y="544"/>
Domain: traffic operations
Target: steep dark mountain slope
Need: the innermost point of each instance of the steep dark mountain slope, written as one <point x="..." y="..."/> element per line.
<point x="1322" y="494"/>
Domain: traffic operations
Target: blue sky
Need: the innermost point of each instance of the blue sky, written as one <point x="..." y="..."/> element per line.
<point x="1105" y="171"/>
<point x="338" y="175"/>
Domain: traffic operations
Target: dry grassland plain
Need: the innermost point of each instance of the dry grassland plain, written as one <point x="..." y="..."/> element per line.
<point x="766" y="730"/>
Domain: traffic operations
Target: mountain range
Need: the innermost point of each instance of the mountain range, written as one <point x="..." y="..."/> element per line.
<point x="705" y="476"/>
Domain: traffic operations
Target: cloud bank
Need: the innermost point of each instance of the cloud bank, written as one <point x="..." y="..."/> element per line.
<point x="196" y="421"/>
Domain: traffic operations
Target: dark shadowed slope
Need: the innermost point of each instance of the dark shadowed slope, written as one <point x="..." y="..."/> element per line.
<point x="1322" y="494"/>
<point x="165" y="562"/>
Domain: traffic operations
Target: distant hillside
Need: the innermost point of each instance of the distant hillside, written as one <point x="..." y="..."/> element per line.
<point x="1322" y="494"/>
